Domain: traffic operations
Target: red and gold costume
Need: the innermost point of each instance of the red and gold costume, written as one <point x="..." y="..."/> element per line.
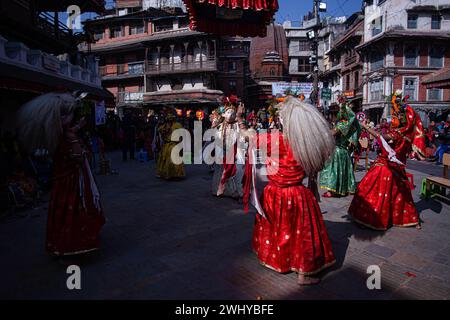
<point x="383" y="197"/>
<point x="411" y="125"/>
<point x="292" y="236"/>
<point x="75" y="215"/>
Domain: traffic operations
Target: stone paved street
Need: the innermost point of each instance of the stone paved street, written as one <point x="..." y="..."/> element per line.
<point x="173" y="240"/>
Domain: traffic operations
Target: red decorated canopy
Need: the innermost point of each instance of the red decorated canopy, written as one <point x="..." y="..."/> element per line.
<point x="247" y="18"/>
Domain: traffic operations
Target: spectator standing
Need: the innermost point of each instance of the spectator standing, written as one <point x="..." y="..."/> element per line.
<point x="129" y="137"/>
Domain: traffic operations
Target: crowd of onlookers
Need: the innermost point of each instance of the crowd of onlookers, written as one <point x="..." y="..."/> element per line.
<point x="437" y="137"/>
<point x="134" y="135"/>
<point x="437" y="140"/>
<point x="135" y="132"/>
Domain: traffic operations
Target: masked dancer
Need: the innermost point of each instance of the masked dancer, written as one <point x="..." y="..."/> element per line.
<point x="229" y="153"/>
<point x="383" y="197"/>
<point x="289" y="232"/>
<point x="75" y="215"/>
<point x="165" y="166"/>
<point x="338" y="176"/>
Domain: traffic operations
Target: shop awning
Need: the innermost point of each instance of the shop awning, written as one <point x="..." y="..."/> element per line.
<point x="247" y="18"/>
<point x="439" y="79"/>
<point x="186" y="97"/>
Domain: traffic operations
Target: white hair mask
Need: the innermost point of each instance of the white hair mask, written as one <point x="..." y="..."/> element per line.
<point x="307" y="133"/>
<point x="40" y="121"/>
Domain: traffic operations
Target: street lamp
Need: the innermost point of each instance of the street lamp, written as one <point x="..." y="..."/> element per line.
<point x="311" y="34"/>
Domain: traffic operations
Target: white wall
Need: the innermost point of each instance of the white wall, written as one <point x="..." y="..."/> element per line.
<point x="197" y="81"/>
<point x="293" y="65"/>
<point x="187" y="84"/>
<point x="395" y="15"/>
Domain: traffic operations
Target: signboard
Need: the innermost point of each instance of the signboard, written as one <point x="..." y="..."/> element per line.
<point x="305" y="88"/>
<point x="326" y="94"/>
<point x="100" y="113"/>
<point x="349" y="94"/>
<point x="361" y="116"/>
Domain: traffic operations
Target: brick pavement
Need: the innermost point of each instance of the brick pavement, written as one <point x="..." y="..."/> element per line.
<point x="174" y="240"/>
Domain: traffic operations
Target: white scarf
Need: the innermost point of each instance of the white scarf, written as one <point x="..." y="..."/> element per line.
<point x="392" y="155"/>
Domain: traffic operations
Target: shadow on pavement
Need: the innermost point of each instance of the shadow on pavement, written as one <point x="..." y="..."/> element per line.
<point x="340" y="234"/>
<point x="425" y="204"/>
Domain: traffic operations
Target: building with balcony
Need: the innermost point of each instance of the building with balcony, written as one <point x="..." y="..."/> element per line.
<point x="299" y="51"/>
<point x="37" y="23"/>
<point x="234" y="66"/>
<point x="332" y="28"/>
<point x="150" y="58"/>
<point x="329" y="68"/>
<point x="404" y="42"/>
<point x="346" y="62"/>
<point x="38" y="53"/>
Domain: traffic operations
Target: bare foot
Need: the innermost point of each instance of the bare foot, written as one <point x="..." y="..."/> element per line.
<point x="328" y="194"/>
<point x="307" y="281"/>
<point x="220" y="190"/>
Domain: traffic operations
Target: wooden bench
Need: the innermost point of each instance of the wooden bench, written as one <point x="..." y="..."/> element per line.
<point x="442" y="183"/>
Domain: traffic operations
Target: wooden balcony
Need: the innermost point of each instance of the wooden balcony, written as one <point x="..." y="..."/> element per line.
<point x="350" y="60"/>
<point x="125" y="70"/>
<point x="153" y="68"/>
<point x="237" y="52"/>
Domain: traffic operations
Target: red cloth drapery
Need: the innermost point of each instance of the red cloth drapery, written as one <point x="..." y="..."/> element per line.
<point x="256" y="15"/>
<point x="243" y="4"/>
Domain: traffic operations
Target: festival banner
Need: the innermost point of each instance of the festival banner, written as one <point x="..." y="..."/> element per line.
<point x="297" y="88"/>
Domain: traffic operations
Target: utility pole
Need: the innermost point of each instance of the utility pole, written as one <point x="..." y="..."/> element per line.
<point x="312" y="180"/>
<point x="316" y="29"/>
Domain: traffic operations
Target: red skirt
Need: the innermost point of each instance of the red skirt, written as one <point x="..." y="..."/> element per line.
<point x="294" y="237"/>
<point x="73" y="225"/>
<point x="384" y="198"/>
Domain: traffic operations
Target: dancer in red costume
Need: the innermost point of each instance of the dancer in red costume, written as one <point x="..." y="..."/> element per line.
<point x="75" y="215"/>
<point x="290" y="233"/>
<point x="413" y="127"/>
<point x="383" y="197"/>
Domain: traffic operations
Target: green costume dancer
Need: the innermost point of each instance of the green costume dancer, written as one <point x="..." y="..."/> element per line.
<point x="338" y="177"/>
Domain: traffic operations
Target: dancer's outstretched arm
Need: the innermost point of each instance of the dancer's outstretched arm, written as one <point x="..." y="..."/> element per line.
<point x="240" y="118"/>
<point x="374" y="133"/>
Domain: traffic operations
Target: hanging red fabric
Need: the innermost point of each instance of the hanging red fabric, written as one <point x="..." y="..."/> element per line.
<point x="247" y="18"/>
<point x="243" y="4"/>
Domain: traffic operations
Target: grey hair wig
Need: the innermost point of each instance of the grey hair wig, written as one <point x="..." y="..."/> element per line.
<point x="39" y="121"/>
<point x="308" y="134"/>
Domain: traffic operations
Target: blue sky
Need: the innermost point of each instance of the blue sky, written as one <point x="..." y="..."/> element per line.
<point x="294" y="10"/>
